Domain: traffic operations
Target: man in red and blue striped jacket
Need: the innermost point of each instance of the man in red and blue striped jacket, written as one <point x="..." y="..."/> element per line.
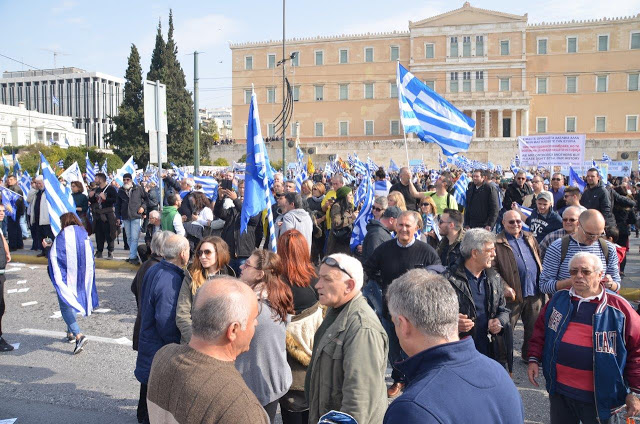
<point x="587" y="339"/>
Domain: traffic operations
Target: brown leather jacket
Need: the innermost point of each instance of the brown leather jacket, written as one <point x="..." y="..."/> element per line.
<point x="505" y="262"/>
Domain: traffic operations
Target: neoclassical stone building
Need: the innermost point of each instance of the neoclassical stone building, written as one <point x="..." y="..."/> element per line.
<point x="512" y="77"/>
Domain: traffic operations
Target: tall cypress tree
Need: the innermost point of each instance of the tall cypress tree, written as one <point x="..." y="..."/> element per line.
<point x="129" y="137"/>
<point x="179" y="103"/>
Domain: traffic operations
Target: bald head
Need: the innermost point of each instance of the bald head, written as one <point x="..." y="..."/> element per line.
<point x="220" y="303"/>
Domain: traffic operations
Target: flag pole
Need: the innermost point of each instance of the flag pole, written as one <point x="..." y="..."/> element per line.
<point x="404" y="133"/>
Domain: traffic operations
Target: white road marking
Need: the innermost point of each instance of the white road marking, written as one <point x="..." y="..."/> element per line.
<point x="21" y="282"/>
<point x="33" y="302"/>
<point x="59" y="334"/>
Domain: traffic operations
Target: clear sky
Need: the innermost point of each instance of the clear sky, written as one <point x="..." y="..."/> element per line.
<point x="97" y="36"/>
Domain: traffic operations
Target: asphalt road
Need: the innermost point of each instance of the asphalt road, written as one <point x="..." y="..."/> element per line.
<point x="42" y="382"/>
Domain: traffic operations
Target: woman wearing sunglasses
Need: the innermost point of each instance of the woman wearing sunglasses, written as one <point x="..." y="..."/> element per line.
<point x="211" y="260"/>
<point x="264" y="367"/>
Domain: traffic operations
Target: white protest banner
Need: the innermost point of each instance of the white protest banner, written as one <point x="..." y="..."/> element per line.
<point x="551" y="149"/>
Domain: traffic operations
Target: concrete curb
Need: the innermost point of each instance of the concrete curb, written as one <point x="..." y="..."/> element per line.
<point x="112" y="264"/>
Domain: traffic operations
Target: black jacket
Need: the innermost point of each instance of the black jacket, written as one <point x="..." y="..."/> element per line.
<point x="240" y="245"/>
<point x="515" y="194"/>
<point x="598" y="198"/>
<point x="127" y="205"/>
<point x="496" y="305"/>
<point x="481" y="209"/>
<point x="377" y="234"/>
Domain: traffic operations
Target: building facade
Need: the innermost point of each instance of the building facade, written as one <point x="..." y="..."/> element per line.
<point x="91" y="99"/>
<point x="512" y="77"/>
<point x="21" y="127"/>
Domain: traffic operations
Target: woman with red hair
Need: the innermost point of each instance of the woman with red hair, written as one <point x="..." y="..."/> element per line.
<point x="300" y="275"/>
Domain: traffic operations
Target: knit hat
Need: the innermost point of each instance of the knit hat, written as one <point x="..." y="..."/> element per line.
<point x="343" y="192"/>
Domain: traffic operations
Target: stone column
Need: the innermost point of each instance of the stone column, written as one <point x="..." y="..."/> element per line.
<point x="514" y="113"/>
<point x="525" y="122"/>
<point x="487" y="121"/>
<point x="500" y="123"/>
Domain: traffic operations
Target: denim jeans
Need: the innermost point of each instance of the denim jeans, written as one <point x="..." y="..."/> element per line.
<point x="132" y="228"/>
<point x="69" y="317"/>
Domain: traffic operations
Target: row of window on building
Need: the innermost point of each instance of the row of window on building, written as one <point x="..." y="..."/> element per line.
<point x="571" y="124"/>
<point x="455" y="49"/>
<point x="466" y="84"/>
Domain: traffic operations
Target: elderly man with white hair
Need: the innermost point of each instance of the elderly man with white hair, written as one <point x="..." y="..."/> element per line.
<point x="424" y="310"/>
<point x="587" y="339"/>
<point x="349" y="357"/>
<point x="39" y="214"/>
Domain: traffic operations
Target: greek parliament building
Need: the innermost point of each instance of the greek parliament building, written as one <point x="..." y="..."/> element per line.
<point x="89" y="98"/>
<point x="511" y="77"/>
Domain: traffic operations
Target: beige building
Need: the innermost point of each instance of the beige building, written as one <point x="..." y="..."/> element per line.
<point x="512" y="77"/>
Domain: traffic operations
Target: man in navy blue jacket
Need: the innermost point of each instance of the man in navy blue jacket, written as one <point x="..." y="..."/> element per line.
<point x="160" y="289"/>
<point x="449" y="381"/>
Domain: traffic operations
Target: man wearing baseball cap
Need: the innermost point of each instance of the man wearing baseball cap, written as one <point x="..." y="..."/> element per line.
<point x="131" y="206"/>
<point x="543" y="219"/>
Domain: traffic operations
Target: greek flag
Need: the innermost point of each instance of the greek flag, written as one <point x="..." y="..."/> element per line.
<point x="257" y="196"/>
<point x="72" y="269"/>
<point x="431" y="117"/>
<point x="209" y="186"/>
<point x="128" y="168"/>
<point x="59" y="200"/>
<point x="25" y="183"/>
<point x="460" y="189"/>
<point x="91" y="173"/>
<point x="364" y="216"/>
<point x="575" y="180"/>
<point x="393" y="167"/>
<point x="16" y="165"/>
<point x="104" y="169"/>
<point x="9" y="199"/>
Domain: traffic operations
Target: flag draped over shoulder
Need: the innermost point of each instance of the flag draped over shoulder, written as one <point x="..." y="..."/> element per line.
<point x="257" y="196"/>
<point x="59" y="199"/>
<point x="365" y="215"/>
<point x="429" y="116"/>
<point x="72" y="269"/>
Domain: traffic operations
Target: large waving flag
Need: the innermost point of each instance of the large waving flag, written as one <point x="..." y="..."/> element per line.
<point x="460" y="189"/>
<point x="9" y="199"/>
<point x="365" y="215"/>
<point x="575" y="180"/>
<point x="72" y="269"/>
<point x="429" y="116"/>
<point x="59" y="199"/>
<point x="257" y="196"/>
<point x="91" y="174"/>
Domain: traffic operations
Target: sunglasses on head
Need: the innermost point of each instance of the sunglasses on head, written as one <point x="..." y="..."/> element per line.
<point x="329" y="261"/>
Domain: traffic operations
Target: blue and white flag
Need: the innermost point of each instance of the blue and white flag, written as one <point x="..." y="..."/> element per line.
<point x="393" y="167"/>
<point x="575" y="180"/>
<point x="59" y="199"/>
<point x="9" y="199"/>
<point x="129" y="167"/>
<point x="429" y="116"/>
<point x="91" y="174"/>
<point x="16" y="165"/>
<point x="460" y="189"/>
<point x="72" y="269"/>
<point x="364" y="216"/>
<point x="104" y="169"/>
<point x="25" y="183"/>
<point x="257" y="196"/>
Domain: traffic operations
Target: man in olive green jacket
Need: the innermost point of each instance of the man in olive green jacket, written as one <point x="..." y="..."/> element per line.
<point x="349" y="359"/>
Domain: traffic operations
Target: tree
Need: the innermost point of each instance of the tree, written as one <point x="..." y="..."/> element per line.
<point x="129" y="138"/>
<point x="179" y="104"/>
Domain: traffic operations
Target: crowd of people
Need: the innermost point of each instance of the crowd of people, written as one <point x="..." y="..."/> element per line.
<point x="435" y="289"/>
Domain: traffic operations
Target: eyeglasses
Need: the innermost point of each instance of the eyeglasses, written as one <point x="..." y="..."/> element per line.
<point x="515" y="222"/>
<point x="206" y="252"/>
<point x="575" y="271"/>
<point x="329" y="261"/>
<point x="569" y="220"/>
<point x="377" y="209"/>
<point x="591" y="236"/>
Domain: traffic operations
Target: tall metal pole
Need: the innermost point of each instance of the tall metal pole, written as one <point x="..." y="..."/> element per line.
<point x="284" y="96"/>
<point x="160" y="182"/>
<point x="196" y="118"/>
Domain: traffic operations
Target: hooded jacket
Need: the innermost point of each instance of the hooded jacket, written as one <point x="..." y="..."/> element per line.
<point x="296" y="219"/>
